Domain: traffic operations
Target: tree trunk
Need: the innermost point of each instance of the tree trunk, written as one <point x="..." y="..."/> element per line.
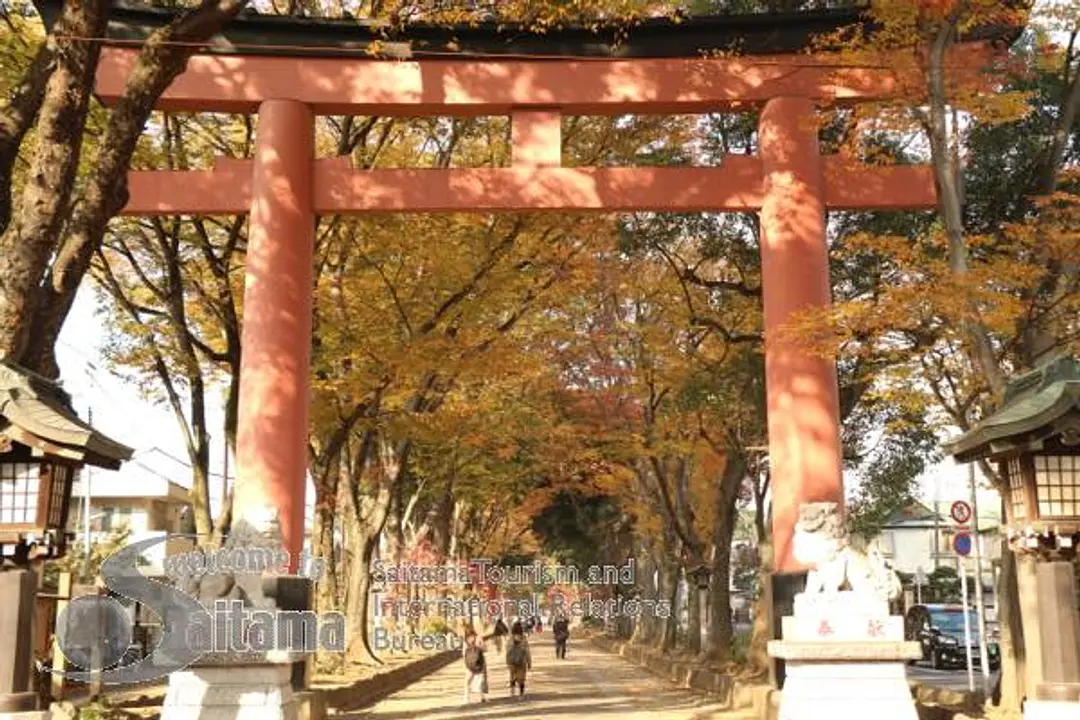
<point x="17" y="118"/>
<point x="643" y="623"/>
<point x="383" y="464"/>
<point x="442" y="526"/>
<point x="164" y="56"/>
<point x="693" y="615"/>
<point x="762" y="632"/>
<point x="322" y="536"/>
<point x="358" y="608"/>
<point x="33" y="235"/>
<point x="1013" y="678"/>
<point x="669" y="590"/>
<point x="720" y="631"/>
<point x="323" y="547"/>
<point x="947" y="179"/>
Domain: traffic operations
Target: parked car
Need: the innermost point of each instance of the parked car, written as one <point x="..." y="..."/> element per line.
<point x="939" y="629"/>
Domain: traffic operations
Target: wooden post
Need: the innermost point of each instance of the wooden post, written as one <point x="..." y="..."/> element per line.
<point x="59" y="662"/>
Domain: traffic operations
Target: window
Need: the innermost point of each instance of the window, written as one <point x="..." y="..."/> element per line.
<point x="887" y="543"/>
<point x="945" y="540"/>
<point x="1016" y="489"/>
<point x="61" y="479"/>
<point x="19" y="492"/>
<point x="106" y="521"/>
<point x="1057" y="479"/>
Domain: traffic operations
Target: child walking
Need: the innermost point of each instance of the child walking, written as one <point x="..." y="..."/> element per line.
<point x="476" y="676"/>
<point x="518" y="659"/>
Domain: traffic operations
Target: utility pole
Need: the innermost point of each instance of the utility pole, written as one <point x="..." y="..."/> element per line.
<point x="937" y="523"/>
<point x="984" y="660"/>
<point x="224" y="473"/>
<point x="86" y="511"/>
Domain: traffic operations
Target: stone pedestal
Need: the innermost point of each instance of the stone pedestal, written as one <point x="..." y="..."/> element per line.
<point x="232" y="689"/>
<point x="1050" y="710"/>
<point x="1058" y="694"/>
<point x="31" y="715"/>
<point x="845" y="657"/>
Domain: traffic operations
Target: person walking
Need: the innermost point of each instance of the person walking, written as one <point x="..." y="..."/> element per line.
<point x="561" y="630"/>
<point x="501" y="631"/>
<point x="476" y="675"/>
<point x="518" y="659"/>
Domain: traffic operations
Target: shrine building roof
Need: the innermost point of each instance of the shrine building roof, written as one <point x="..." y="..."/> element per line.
<point x="1038" y="404"/>
<point x="37" y="413"/>
<point x="665" y="37"/>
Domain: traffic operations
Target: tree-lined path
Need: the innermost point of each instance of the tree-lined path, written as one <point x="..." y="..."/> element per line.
<point x="588" y="684"/>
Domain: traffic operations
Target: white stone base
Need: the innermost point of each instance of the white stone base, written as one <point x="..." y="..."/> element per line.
<point x="28" y="715"/>
<point x="238" y="692"/>
<point x="1050" y="710"/>
<point x="815" y="690"/>
<point x="844" y="660"/>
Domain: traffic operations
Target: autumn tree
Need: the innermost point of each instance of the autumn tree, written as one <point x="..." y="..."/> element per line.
<point x="50" y="225"/>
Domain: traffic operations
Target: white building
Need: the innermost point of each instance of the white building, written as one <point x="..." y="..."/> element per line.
<point x="918" y="539"/>
<point x="148" y="504"/>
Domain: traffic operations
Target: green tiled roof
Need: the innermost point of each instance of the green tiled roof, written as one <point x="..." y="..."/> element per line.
<point x="36" y="409"/>
<point x="1033" y="402"/>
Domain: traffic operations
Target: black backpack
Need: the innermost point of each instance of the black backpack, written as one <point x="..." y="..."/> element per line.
<point x="474" y="659"/>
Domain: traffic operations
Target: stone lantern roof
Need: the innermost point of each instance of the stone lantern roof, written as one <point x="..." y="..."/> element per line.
<point x="1037" y="405"/>
<point x="38" y="413"/>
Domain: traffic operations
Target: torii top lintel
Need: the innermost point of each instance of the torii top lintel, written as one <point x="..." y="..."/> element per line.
<point x="663" y="66"/>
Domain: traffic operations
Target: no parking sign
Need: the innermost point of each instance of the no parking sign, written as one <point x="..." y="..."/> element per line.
<point x="962" y="544"/>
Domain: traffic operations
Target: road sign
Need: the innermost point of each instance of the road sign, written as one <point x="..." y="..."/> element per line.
<point x="961" y="512"/>
<point x="962" y="543"/>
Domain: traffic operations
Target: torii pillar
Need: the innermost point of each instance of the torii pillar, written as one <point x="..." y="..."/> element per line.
<point x="271" y="446"/>
<point x="801" y="388"/>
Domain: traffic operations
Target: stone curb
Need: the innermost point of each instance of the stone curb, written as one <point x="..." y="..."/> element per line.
<point x="370" y="690"/>
<point x="729" y="691"/>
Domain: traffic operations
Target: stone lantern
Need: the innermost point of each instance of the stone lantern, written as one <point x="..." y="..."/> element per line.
<point x="43" y="444"/>
<point x="700" y="577"/>
<point x="1034" y="439"/>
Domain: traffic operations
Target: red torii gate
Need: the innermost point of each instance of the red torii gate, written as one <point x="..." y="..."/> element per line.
<point x="284" y="187"/>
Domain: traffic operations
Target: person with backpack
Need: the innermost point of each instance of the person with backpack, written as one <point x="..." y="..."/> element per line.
<point x="476" y="676"/>
<point x="561" y="629"/>
<point x="518" y="659"/>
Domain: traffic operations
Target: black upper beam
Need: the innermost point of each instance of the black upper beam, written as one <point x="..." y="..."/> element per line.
<point x="255" y="34"/>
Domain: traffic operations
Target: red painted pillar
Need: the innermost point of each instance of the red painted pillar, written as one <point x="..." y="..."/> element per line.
<point x="803" y="402"/>
<point x="271" y="450"/>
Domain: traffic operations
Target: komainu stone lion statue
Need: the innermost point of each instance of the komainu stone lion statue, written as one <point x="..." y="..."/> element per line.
<point x="839" y="561"/>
